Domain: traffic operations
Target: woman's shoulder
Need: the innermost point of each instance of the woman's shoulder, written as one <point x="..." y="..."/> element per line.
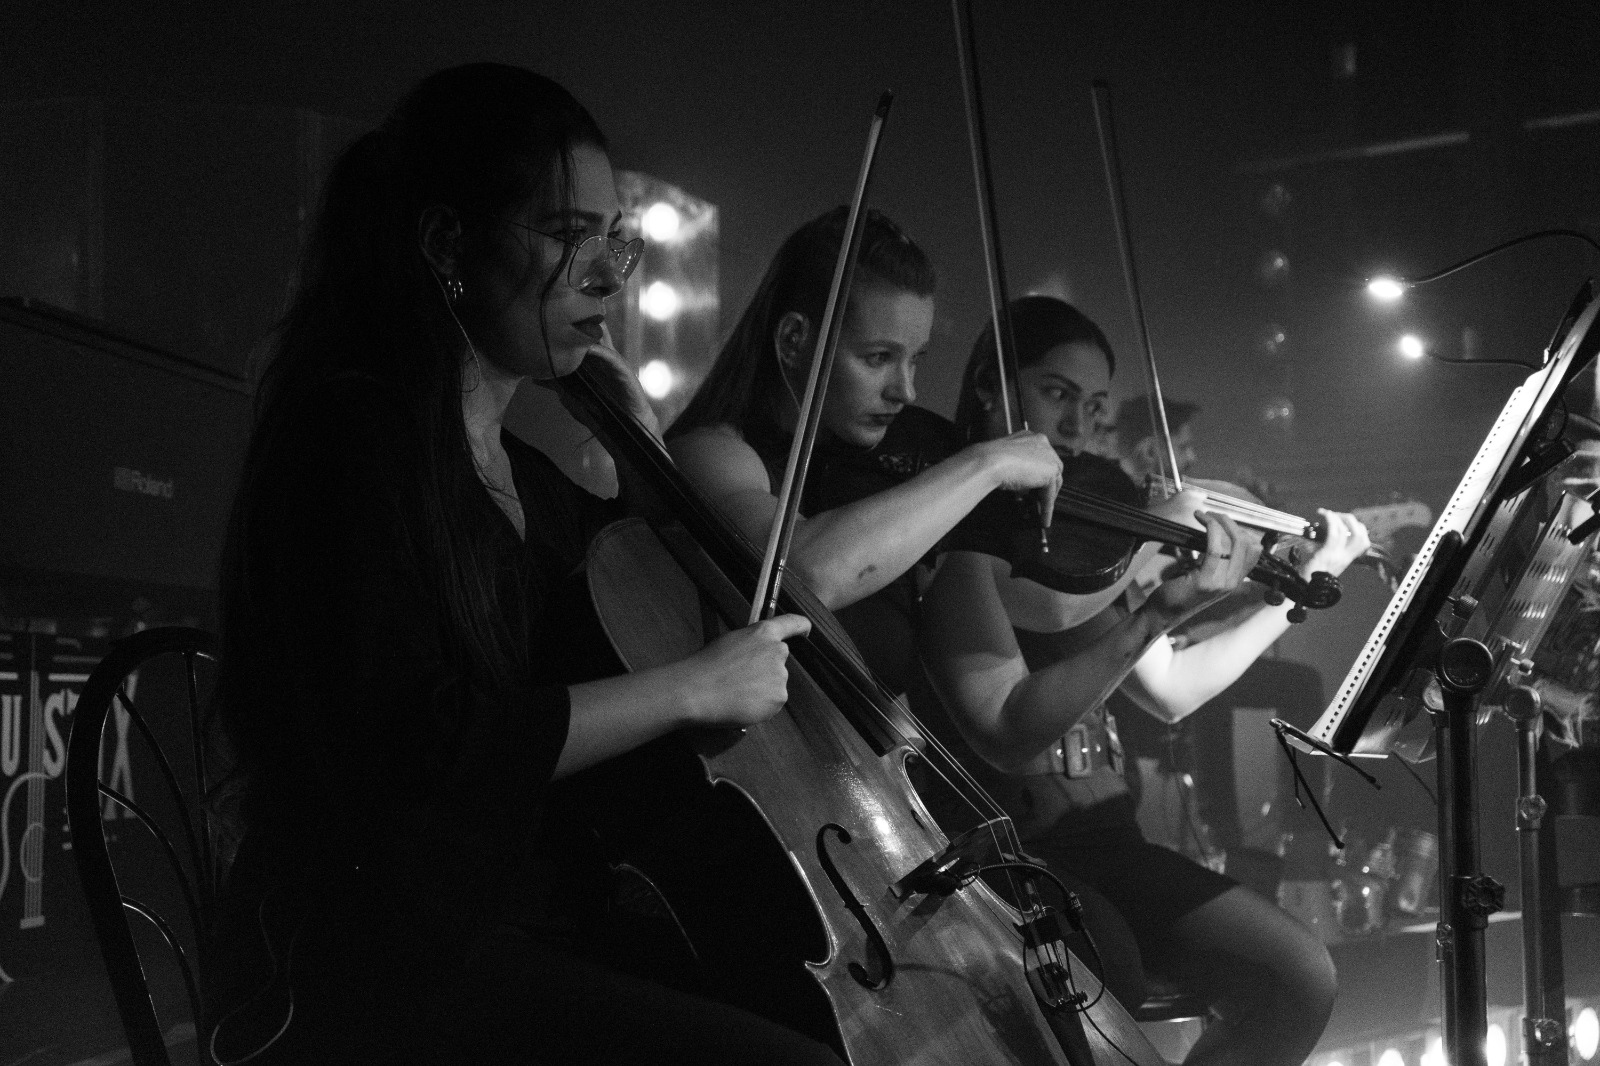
<point x="719" y="459"/>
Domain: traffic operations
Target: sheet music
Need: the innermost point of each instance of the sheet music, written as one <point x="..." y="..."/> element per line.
<point x="1482" y="520"/>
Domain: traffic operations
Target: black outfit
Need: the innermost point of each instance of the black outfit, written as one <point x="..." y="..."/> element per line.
<point x="414" y="893"/>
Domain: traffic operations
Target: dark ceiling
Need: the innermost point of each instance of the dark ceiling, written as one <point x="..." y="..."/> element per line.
<point x="762" y="108"/>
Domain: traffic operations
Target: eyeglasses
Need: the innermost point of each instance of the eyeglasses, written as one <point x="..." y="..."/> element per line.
<point x="598" y="265"/>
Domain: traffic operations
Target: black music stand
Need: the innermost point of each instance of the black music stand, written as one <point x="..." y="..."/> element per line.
<point x="1462" y="628"/>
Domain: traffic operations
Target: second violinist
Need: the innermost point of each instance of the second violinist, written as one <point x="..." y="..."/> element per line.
<point x="854" y="542"/>
<point x="1024" y="683"/>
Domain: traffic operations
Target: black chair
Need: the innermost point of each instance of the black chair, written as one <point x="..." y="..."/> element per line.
<point x="192" y="855"/>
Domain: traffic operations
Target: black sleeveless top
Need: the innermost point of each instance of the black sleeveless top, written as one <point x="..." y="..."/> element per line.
<point x="884" y="624"/>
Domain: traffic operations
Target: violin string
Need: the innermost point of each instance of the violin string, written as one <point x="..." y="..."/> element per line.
<point x="1248" y="510"/>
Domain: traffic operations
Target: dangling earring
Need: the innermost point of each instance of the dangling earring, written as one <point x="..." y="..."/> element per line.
<point x="454" y="290"/>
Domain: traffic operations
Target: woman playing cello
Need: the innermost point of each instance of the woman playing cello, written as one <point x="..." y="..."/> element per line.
<point x="410" y="658"/>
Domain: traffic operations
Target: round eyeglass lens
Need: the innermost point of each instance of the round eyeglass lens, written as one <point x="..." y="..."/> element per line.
<point x="604" y="260"/>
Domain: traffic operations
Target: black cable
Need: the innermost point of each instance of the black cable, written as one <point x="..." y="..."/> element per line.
<point x="1436" y="357"/>
<point x="1412" y="770"/>
<point x="1478" y="257"/>
<point x="1072" y="907"/>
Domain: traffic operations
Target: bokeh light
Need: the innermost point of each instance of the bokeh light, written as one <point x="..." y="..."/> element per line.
<point x="1273" y="267"/>
<point x="660" y="222"/>
<point x="1586" y="1033"/>
<point x="660" y="301"/>
<point x="1494" y="1047"/>
<point x="1411" y="346"/>
<point x="657" y="379"/>
<point x="1272" y="340"/>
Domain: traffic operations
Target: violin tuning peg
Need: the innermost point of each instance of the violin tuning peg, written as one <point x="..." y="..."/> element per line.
<point x="1297" y="613"/>
<point x="1273" y="597"/>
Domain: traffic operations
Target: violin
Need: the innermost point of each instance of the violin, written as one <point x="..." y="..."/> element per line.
<point x="1098" y="526"/>
<point x="1247" y="509"/>
<point x="1100" y="522"/>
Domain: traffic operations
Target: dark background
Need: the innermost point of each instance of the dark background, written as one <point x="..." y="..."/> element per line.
<point x="1345" y="137"/>
<point x="762" y="109"/>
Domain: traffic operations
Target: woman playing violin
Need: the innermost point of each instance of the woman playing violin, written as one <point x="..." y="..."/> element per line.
<point x="1024" y="679"/>
<point x="859" y="536"/>
<point x="410" y="658"/>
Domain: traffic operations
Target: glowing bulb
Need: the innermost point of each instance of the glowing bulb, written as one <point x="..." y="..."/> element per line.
<point x="1411" y="346"/>
<point x="660" y="301"/>
<point x="1494" y="1047"/>
<point x="657" y="379"/>
<point x="660" y="222"/>
<point x="1391" y="1057"/>
<point x="1586" y="1033"/>
<point x="1385" y="289"/>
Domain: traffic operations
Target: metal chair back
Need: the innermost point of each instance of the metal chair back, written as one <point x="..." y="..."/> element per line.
<point x="189" y="849"/>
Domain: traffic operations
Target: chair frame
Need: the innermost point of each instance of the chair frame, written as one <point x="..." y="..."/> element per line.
<point x="108" y="906"/>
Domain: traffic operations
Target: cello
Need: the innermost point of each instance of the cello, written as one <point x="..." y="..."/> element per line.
<point x="922" y="962"/>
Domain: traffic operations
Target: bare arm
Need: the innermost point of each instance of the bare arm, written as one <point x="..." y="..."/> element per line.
<point x="1007" y="714"/>
<point x="738" y="679"/>
<point x="852" y="551"/>
<point x="1011" y="716"/>
<point x="1173" y="683"/>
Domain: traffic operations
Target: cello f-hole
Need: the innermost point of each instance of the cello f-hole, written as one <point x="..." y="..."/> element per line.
<point x="881" y="948"/>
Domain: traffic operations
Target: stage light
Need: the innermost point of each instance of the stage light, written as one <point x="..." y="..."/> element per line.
<point x="1411" y="346"/>
<point x="657" y="379"/>
<point x="660" y="222"/>
<point x="660" y="301"/>
<point x="1434" y="1056"/>
<point x="1586" y="1033"/>
<point x="1385" y="289"/>
<point x="1494" y="1047"/>
<point x="1391" y="1057"/>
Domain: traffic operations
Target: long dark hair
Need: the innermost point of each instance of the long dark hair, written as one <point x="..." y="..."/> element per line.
<point x="480" y="140"/>
<point x="745" y="384"/>
<point x="1039" y="323"/>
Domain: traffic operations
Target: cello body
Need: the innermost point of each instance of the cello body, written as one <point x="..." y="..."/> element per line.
<point x="910" y="977"/>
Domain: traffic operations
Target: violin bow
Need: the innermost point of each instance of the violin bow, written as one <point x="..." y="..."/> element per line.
<point x="1008" y="379"/>
<point x="1107" y="130"/>
<point x="809" y="418"/>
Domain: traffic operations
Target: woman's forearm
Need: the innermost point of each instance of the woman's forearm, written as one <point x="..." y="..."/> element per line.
<point x="1048" y="702"/>
<point x="1174" y="685"/>
<point x="850" y="552"/>
<point x="617" y="714"/>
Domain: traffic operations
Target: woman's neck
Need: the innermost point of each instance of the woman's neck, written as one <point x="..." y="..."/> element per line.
<point x="486" y="393"/>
